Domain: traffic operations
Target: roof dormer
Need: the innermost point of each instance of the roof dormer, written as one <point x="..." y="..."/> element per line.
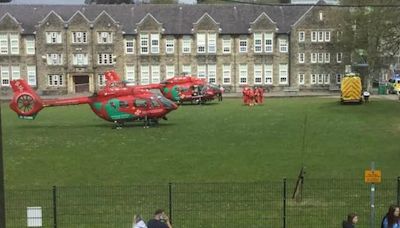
<point x="262" y="22"/>
<point x="206" y="23"/>
<point x="149" y="23"/>
<point x="8" y="22"/>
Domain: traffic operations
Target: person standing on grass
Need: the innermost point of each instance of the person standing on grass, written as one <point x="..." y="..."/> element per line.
<point x="138" y="222"/>
<point x="160" y="220"/>
<point x="351" y="221"/>
<point x="391" y="219"/>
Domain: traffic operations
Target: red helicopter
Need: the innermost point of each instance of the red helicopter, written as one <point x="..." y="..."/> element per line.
<point x="189" y="89"/>
<point x="116" y="103"/>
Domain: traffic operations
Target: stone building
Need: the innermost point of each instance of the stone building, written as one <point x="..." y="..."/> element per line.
<point x="66" y="48"/>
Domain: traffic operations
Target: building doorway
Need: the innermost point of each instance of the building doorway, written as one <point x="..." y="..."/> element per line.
<point x="81" y="83"/>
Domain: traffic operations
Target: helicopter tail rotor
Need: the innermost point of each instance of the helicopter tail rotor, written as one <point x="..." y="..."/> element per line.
<point x="25" y="102"/>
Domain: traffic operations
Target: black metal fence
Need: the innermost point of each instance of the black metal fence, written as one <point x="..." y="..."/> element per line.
<point x="320" y="203"/>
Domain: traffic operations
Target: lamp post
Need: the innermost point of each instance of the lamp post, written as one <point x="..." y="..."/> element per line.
<point x="2" y="200"/>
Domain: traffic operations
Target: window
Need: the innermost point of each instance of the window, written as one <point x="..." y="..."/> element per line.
<point x="268" y="39"/>
<point x="14" y="41"/>
<point x="144" y="75"/>
<point x="144" y="43"/>
<point x="169" y="45"/>
<point x="155" y="73"/>
<point x="321" y="16"/>
<point x="187" y="69"/>
<point x="186" y="44"/>
<point x="3" y="44"/>
<point x="79" y="37"/>
<point x="130" y="73"/>
<point x="53" y="37"/>
<point x="242" y="44"/>
<point x="80" y="59"/>
<point x="313" y="57"/>
<point x="313" y="36"/>
<point x="5" y="75"/>
<point x="283" y="73"/>
<point x="338" y="78"/>
<point x="170" y="71"/>
<point x="320" y="57"/>
<point x="313" y="79"/>
<point x="105" y="59"/>
<point x="30" y="45"/>
<point x="301" y="36"/>
<point x="226" y="44"/>
<point x="101" y="80"/>
<point x="243" y="74"/>
<point x="212" y="43"/>
<point x="283" y="45"/>
<point x="320" y="78"/>
<point x="15" y="73"/>
<point x="104" y="37"/>
<point x="155" y="43"/>
<point x="31" y="74"/>
<point x="327" y="78"/>
<point x="54" y="59"/>
<point x="327" y="57"/>
<point x="320" y="36"/>
<point x="268" y="74"/>
<point x="55" y="80"/>
<point x="301" y="79"/>
<point x="327" y="36"/>
<point x="201" y="43"/>
<point x="226" y="74"/>
<point x="258" y="43"/>
<point x="339" y="57"/>
<point x="201" y="71"/>
<point x="212" y="73"/>
<point x="301" y="57"/>
<point x="129" y="46"/>
<point x="258" y="74"/>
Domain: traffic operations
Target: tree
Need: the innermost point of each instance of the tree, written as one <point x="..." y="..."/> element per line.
<point x="371" y="33"/>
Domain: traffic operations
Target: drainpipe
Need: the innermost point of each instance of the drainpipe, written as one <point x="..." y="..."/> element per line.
<point x="289" y="59"/>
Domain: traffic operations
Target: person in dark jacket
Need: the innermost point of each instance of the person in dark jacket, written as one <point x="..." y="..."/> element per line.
<point x="160" y="220"/>
<point x="351" y="221"/>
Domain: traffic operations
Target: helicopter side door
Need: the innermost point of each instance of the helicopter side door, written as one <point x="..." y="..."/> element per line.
<point x="141" y="107"/>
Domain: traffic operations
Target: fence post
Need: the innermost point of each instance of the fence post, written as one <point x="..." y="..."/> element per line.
<point x="170" y="201"/>
<point x="284" y="202"/>
<point x="55" y="206"/>
<point x="398" y="190"/>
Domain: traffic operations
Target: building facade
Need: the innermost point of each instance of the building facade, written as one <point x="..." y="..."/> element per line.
<point x="66" y="49"/>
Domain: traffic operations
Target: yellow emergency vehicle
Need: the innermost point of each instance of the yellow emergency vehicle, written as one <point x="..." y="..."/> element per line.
<point x="351" y="88"/>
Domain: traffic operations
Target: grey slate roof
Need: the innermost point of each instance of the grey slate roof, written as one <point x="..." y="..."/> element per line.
<point x="176" y="19"/>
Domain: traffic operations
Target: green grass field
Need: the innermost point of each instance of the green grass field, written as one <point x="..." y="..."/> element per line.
<point x="215" y="143"/>
<point x="219" y="142"/>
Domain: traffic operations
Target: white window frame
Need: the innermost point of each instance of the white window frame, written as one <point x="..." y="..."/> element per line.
<point x="186" y="44"/>
<point x="338" y="79"/>
<point x="320" y="36"/>
<point x="144" y="43"/>
<point x="101" y="80"/>
<point x="201" y="42"/>
<point x="327" y="36"/>
<point x="212" y="73"/>
<point x="79" y="37"/>
<point x="327" y="57"/>
<point x="268" y="74"/>
<point x="320" y="57"/>
<point x="258" y="41"/>
<point x="283" y="74"/>
<point x="169" y="71"/>
<point x="129" y="46"/>
<point x="31" y="75"/>
<point x="314" y="57"/>
<point x="243" y="74"/>
<point x="269" y="42"/>
<point x="53" y="37"/>
<point x="155" y="74"/>
<point x="301" y="78"/>
<point x="105" y="59"/>
<point x="320" y="78"/>
<point x="301" y="57"/>
<point x="105" y="37"/>
<point x="130" y="75"/>
<point x="212" y="43"/>
<point x="30" y="46"/>
<point x="15" y="72"/>
<point x="226" y="44"/>
<point x="187" y="69"/>
<point x="80" y="59"/>
<point x="327" y="78"/>
<point x="54" y="59"/>
<point x="55" y="80"/>
<point x="202" y="71"/>
<point x="314" y="36"/>
<point x="5" y="75"/>
<point x="155" y="43"/>
<point x="313" y="79"/>
<point x="144" y="74"/>
<point x="302" y="36"/>
<point x="243" y="45"/>
<point x="339" y="57"/>
<point x="14" y="43"/>
<point x="283" y="45"/>
<point x="226" y="74"/>
<point x="3" y="43"/>
<point x="258" y="74"/>
<point x="170" y="45"/>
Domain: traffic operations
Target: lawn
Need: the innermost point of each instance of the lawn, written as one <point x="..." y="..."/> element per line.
<point x="246" y="151"/>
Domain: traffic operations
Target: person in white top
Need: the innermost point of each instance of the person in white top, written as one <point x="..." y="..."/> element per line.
<point x="366" y="96"/>
<point x="138" y="222"/>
